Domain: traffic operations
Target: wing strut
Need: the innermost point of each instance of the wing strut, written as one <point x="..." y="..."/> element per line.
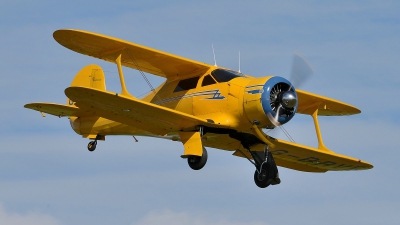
<point x="321" y="145"/>
<point x="124" y="91"/>
<point x="144" y="76"/>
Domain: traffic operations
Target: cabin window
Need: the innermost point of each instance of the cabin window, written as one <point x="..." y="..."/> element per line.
<point x="224" y="75"/>
<point x="208" y="80"/>
<point x="187" y="84"/>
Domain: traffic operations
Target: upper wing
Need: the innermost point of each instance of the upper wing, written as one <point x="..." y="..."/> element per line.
<point x="308" y="102"/>
<point x="133" y="55"/>
<point x="58" y="109"/>
<point x="143" y="115"/>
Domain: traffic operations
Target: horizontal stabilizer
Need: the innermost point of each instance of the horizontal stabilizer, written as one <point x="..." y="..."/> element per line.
<point x="58" y="109"/>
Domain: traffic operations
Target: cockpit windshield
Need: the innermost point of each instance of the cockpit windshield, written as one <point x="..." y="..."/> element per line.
<point x="225" y="75"/>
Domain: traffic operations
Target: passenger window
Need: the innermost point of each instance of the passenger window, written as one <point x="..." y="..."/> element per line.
<point x="208" y="80"/>
<point x="187" y="84"/>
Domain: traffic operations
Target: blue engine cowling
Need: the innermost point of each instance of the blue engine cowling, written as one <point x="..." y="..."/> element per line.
<point x="270" y="101"/>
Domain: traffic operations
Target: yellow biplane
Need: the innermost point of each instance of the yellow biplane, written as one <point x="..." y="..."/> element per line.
<point x="200" y="105"/>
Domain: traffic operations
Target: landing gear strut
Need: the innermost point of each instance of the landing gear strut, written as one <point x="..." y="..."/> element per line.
<point x="198" y="162"/>
<point x="92" y="144"/>
<point x="267" y="172"/>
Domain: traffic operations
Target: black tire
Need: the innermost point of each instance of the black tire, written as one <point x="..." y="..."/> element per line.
<point x="198" y="162"/>
<point x="264" y="178"/>
<point x="92" y="146"/>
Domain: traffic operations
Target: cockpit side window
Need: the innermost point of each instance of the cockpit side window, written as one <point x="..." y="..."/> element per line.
<point x="187" y="84"/>
<point x="208" y="80"/>
<point x="224" y="75"/>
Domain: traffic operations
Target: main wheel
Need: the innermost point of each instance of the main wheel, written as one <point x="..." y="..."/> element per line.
<point x="92" y="146"/>
<point x="265" y="177"/>
<point x="198" y="162"/>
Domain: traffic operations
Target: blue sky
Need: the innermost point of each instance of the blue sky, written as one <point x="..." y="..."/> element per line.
<point x="48" y="177"/>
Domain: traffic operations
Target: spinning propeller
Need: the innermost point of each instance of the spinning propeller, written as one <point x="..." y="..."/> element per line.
<point x="283" y="98"/>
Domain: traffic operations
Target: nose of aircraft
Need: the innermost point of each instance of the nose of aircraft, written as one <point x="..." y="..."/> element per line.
<point x="289" y="99"/>
<point x="279" y="100"/>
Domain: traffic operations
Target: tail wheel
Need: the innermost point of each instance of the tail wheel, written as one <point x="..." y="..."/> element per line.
<point x="198" y="162"/>
<point x="92" y="145"/>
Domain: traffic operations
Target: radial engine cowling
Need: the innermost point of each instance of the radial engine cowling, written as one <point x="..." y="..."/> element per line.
<point x="270" y="101"/>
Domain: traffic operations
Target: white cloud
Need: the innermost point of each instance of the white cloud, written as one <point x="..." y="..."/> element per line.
<point x="181" y="218"/>
<point x="31" y="218"/>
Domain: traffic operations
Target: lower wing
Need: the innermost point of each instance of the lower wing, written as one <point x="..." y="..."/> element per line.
<point x="309" y="159"/>
<point x="131" y="111"/>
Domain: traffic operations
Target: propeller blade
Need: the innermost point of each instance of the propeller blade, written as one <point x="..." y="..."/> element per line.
<point x="301" y="71"/>
<point x="275" y="120"/>
<point x="284" y="100"/>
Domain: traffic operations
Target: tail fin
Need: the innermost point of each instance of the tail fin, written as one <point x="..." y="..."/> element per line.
<point x="89" y="76"/>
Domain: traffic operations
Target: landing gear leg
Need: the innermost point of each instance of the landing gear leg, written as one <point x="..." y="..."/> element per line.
<point x="266" y="170"/>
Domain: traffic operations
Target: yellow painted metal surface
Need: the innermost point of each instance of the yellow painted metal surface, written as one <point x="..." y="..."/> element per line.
<point x="260" y="135"/>
<point x="132" y="55"/>
<point x="210" y="99"/>
<point x="314" y="157"/>
<point x="252" y="103"/>
<point x="192" y="144"/>
<point x="310" y="159"/>
<point x="58" y="109"/>
<point x="90" y="126"/>
<point x="284" y="163"/>
<point x="234" y="105"/>
<point x="124" y="90"/>
<point x="326" y="106"/>
<point x="90" y="76"/>
<point x="127" y="110"/>
<point x="321" y="144"/>
<point x="168" y="98"/>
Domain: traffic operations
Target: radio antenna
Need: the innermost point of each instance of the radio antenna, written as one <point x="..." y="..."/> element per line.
<point x="239" y="62"/>
<point x="215" y="61"/>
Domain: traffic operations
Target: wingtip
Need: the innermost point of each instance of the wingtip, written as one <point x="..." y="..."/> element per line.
<point x="367" y="165"/>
